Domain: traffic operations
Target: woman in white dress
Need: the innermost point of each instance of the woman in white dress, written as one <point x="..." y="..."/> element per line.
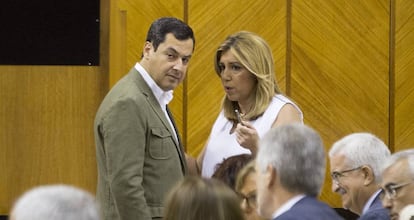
<point x="245" y="65"/>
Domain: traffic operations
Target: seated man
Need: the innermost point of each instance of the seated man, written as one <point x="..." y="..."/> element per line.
<point x="55" y="202"/>
<point x="397" y="178"/>
<point x="290" y="168"/>
<point x="356" y="162"/>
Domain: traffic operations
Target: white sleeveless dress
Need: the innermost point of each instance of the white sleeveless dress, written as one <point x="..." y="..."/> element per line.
<point x="221" y="144"/>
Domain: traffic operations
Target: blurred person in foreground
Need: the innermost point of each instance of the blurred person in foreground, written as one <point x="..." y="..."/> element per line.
<point x="196" y="198"/>
<point x="55" y="202"/>
<point x="355" y="163"/>
<point x="290" y="168"/>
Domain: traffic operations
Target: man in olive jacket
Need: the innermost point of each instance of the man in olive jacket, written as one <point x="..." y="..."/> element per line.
<point x="139" y="154"/>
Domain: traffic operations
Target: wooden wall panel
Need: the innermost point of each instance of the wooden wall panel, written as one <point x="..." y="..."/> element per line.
<point x="213" y="21"/>
<point x="46" y="123"/>
<point x="46" y="119"/>
<point x="130" y="20"/>
<point x="404" y="73"/>
<point x="340" y="69"/>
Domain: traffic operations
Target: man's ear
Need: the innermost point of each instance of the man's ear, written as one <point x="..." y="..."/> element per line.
<point x="271" y="175"/>
<point x="368" y="175"/>
<point x="147" y="49"/>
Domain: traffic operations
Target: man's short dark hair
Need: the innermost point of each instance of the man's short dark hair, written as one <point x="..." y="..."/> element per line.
<point x="165" y="25"/>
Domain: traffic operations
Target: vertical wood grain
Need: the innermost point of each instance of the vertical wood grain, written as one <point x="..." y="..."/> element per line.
<point x="391" y="82"/>
<point x="118" y="46"/>
<point x="404" y="75"/>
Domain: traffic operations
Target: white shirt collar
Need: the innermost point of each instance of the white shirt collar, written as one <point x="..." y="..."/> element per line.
<point x="163" y="97"/>
<point x="370" y="201"/>
<point x="285" y="207"/>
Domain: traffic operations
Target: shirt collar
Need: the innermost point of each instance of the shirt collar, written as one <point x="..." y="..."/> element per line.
<point x="163" y="97"/>
<point x="285" y="207"/>
<point x="370" y="201"/>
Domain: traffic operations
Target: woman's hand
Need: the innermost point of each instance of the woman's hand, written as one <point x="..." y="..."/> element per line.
<point x="247" y="136"/>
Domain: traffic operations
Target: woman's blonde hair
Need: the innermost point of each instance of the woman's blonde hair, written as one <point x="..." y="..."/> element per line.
<point x="255" y="55"/>
<point x="243" y="173"/>
<point x="203" y="199"/>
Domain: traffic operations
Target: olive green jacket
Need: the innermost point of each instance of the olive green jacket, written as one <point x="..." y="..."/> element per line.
<point x="138" y="159"/>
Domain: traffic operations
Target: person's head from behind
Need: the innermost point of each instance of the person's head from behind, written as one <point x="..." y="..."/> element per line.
<point x="227" y="170"/>
<point x="290" y="161"/>
<point x="203" y="199"/>
<point x="397" y="182"/>
<point x="355" y="163"/>
<point x="244" y="62"/>
<point x="247" y="191"/>
<point x="55" y="202"/>
<point x="168" y="48"/>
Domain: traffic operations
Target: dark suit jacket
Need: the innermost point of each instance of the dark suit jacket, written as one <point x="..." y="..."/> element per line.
<point x="138" y="159"/>
<point x="376" y="211"/>
<point x="309" y="208"/>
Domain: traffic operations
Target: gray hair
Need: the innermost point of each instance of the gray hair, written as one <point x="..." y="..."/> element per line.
<point x="407" y="213"/>
<point x="395" y="157"/>
<point x="55" y="202"/>
<point x="297" y="153"/>
<point x="362" y="149"/>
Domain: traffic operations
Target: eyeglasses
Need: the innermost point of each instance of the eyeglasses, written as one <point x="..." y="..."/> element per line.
<point x="390" y="191"/>
<point x="338" y="174"/>
<point x="250" y="199"/>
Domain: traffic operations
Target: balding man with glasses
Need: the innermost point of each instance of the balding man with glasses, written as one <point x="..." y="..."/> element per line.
<point x="355" y="163"/>
<point x="397" y="182"/>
